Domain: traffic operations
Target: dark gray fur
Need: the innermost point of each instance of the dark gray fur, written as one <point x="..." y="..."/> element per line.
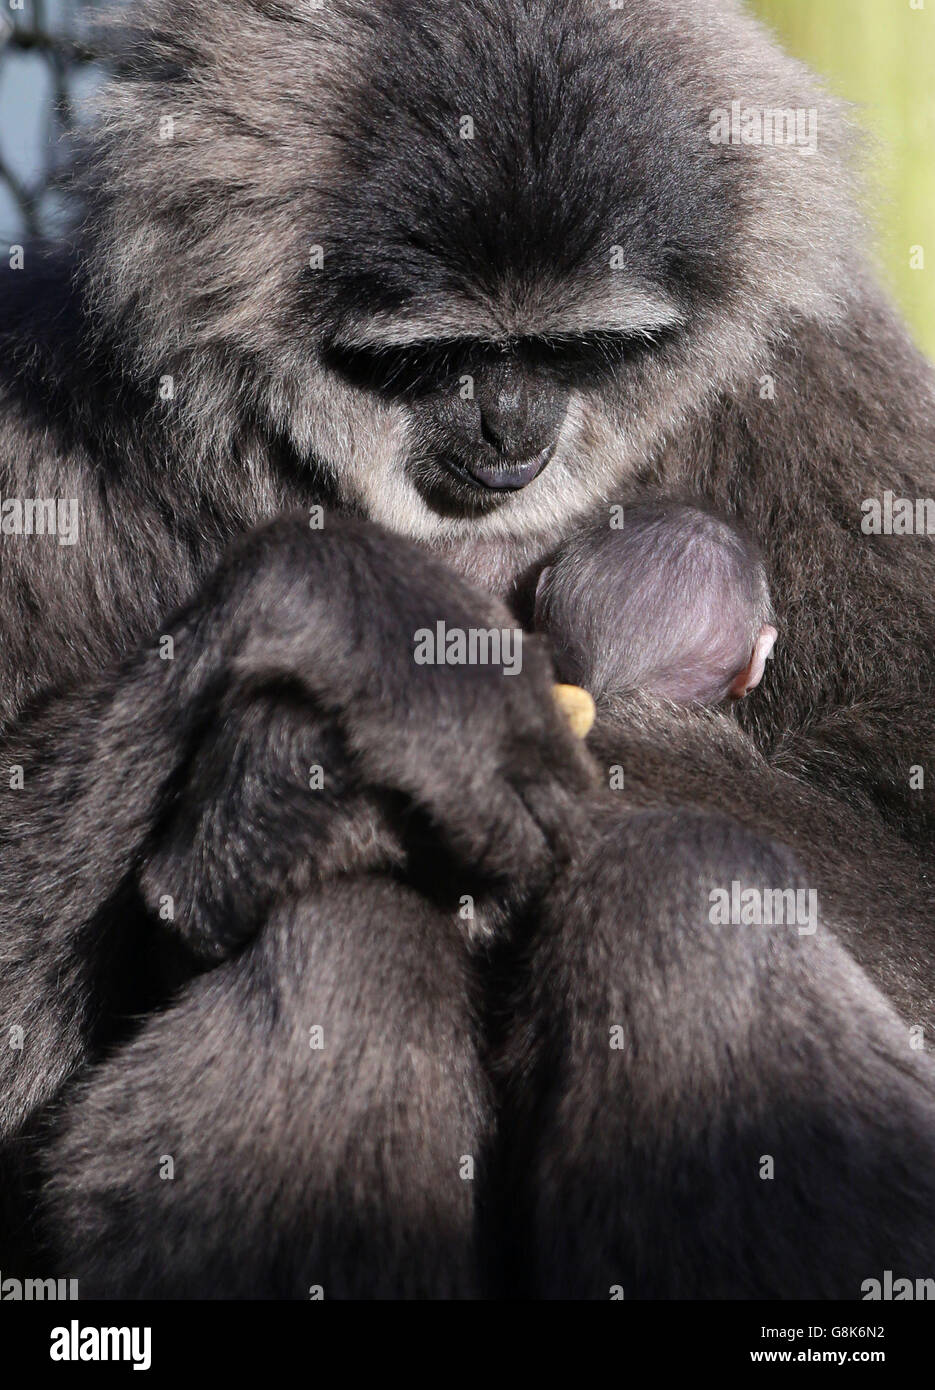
<point x="296" y="127"/>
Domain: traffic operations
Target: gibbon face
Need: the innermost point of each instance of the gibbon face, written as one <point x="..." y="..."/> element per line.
<point x="471" y="260"/>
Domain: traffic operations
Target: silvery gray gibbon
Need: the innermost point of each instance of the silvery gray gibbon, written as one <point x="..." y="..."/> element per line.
<point x="321" y="970"/>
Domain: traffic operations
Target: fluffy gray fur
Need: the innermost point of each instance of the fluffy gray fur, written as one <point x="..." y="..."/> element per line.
<point x="185" y="370"/>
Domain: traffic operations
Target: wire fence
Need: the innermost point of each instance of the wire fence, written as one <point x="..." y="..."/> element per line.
<point x="46" y="71"/>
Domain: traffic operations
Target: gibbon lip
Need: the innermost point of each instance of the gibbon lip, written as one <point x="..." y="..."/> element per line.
<point x="508" y="477"/>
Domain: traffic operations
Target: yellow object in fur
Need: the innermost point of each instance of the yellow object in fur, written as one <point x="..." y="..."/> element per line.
<point x="578" y="708"/>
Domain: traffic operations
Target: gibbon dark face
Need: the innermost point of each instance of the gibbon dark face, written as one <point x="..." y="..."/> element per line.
<point x="508" y="245"/>
<point x="468" y="260"/>
<point x="488" y="414"/>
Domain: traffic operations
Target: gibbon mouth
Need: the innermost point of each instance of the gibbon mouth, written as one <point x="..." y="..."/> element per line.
<point x="505" y="477"/>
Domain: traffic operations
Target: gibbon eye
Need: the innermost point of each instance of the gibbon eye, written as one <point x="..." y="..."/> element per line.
<point x="587" y="353"/>
<point x="411" y="369"/>
<point x="423" y="366"/>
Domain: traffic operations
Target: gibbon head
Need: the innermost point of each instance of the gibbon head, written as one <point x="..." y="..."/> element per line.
<point x="472" y="261"/>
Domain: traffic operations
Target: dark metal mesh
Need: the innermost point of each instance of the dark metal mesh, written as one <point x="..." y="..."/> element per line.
<point x="46" y="70"/>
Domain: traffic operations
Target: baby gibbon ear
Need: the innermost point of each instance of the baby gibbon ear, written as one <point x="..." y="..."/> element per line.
<point x="749" y="678"/>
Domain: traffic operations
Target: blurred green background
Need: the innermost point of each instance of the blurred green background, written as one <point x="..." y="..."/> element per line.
<point x="880" y="54"/>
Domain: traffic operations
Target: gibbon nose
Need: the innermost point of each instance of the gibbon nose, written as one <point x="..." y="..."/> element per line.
<point x="519" y="416"/>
